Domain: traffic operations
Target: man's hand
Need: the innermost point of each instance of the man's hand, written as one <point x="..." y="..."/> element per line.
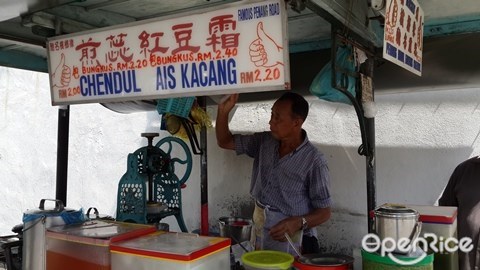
<point x="228" y="104"/>
<point x="224" y="136"/>
<point x="289" y="225"/>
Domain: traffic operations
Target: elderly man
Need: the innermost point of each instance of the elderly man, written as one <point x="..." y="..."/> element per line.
<point x="290" y="178"/>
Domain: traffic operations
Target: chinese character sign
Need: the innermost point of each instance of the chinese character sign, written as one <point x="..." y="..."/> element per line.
<point x="239" y="48"/>
<point x="403" y="39"/>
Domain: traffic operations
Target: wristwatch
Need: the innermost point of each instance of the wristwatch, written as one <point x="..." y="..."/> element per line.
<point x="304" y="224"/>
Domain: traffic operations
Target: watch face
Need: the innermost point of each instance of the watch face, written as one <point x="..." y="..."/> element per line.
<point x="304" y="224"/>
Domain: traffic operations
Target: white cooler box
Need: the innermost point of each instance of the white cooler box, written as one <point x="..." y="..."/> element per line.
<point x="441" y="221"/>
<point x="165" y="250"/>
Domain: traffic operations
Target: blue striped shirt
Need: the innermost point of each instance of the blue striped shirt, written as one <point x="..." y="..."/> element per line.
<point x="295" y="184"/>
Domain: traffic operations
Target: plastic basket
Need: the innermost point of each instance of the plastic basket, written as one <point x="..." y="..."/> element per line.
<point x="177" y="106"/>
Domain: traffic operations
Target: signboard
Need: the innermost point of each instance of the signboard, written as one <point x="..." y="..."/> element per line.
<point x="242" y="47"/>
<point x="403" y="39"/>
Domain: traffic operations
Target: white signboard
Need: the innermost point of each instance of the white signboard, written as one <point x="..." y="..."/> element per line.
<point x="241" y="47"/>
<point x="403" y="39"/>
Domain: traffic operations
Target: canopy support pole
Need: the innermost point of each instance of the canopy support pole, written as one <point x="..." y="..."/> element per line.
<point x="62" y="153"/>
<point x="370" y="158"/>
<point x="203" y="173"/>
<point x="62" y="142"/>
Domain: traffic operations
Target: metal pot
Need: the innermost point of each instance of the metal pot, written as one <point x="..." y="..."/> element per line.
<point x="236" y="228"/>
<point x="36" y="221"/>
<point x="324" y="262"/>
<point x="397" y="222"/>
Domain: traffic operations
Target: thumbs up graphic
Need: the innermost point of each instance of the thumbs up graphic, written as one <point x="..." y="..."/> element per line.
<point x="62" y="75"/>
<point x="264" y="51"/>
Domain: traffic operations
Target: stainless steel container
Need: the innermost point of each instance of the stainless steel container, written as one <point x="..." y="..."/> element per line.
<point x="35" y="223"/>
<point x="236" y="228"/>
<point x="397" y="222"/>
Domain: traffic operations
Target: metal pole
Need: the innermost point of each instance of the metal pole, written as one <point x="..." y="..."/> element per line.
<point x="203" y="173"/>
<point x="62" y="143"/>
<point x="370" y="159"/>
<point x="62" y="153"/>
<point x="371" y="171"/>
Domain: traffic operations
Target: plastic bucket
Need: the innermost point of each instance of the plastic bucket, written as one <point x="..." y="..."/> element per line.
<point x="374" y="261"/>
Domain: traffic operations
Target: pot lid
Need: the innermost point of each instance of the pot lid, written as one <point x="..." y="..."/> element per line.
<point x="436" y="214"/>
<point x="268" y="259"/>
<point x="395" y="210"/>
<point x="184" y="247"/>
<point x="325" y="260"/>
<point x="99" y="232"/>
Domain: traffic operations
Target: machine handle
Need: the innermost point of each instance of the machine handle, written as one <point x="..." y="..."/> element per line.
<point x="58" y="204"/>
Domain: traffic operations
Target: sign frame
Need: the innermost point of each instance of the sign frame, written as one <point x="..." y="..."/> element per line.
<point x="58" y="83"/>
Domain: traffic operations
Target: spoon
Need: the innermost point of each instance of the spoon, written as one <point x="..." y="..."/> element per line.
<point x="292" y="245"/>
<point x="301" y="258"/>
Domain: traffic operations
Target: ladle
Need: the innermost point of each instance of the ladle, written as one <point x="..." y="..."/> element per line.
<point x="300" y="256"/>
<point x="238" y="242"/>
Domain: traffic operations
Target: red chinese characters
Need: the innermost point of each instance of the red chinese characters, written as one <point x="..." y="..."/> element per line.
<point x="89" y="51"/>
<point x="117" y="48"/>
<point x="223" y="25"/>
<point x="145" y="43"/>
<point x="60" y="45"/>
<point x="183" y="34"/>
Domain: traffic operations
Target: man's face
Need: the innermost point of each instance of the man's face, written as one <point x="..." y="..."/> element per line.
<point x="282" y="123"/>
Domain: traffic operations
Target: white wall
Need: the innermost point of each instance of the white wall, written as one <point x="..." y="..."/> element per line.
<point x="99" y="143"/>
<point x="420" y="138"/>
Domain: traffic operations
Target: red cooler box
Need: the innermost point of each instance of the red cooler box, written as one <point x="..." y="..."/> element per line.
<point x="165" y="250"/>
<point x="86" y="246"/>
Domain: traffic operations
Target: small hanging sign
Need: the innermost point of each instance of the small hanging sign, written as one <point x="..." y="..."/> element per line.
<point x="403" y="39"/>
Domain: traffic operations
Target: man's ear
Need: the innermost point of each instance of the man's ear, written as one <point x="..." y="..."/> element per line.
<point x="298" y="121"/>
